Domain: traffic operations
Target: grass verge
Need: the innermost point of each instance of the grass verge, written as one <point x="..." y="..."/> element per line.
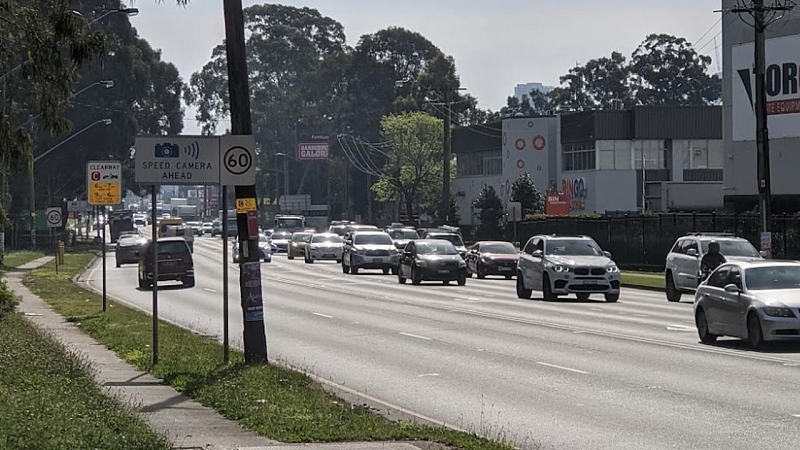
<point x="644" y="279"/>
<point x="18" y="258"/>
<point x="274" y="402"/>
<point x="48" y="399"/>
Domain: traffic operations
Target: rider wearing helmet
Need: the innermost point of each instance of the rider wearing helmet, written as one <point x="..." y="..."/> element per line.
<point x="712" y="259"/>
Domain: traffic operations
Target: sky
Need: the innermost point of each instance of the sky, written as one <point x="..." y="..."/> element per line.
<point x="496" y="44"/>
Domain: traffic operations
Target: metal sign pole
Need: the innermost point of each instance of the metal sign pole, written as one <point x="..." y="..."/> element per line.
<point x="55" y="246"/>
<point x="105" y="299"/>
<point x="225" y="324"/>
<point x="154" y="190"/>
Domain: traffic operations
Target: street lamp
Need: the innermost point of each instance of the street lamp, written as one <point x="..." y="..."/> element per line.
<point x="33" y="190"/>
<point x="285" y="172"/>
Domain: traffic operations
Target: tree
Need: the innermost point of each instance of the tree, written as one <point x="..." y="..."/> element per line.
<point x="490" y="212"/>
<point x="524" y="190"/>
<point x="594" y="85"/>
<point x="414" y="160"/>
<point x="667" y="70"/>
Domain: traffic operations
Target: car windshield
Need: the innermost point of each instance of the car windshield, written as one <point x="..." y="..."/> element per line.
<point x="339" y="229"/>
<point x="573" y="247"/>
<point x="326" y="238"/>
<point x="772" y="277"/>
<point x="281" y="235"/>
<point x="300" y="237"/>
<point x="452" y="238"/>
<point x="730" y="247"/>
<point x="373" y="239"/>
<point x="501" y="248"/>
<point x="289" y="223"/>
<point x="438" y="248"/>
<point x="172" y="247"/>
<point x="128" y="240"/>
<point x="403" y="234"/>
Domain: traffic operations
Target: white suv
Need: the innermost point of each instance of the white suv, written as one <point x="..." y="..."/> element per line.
<point x="683" y="260"/>
<point x="560" y="265"/>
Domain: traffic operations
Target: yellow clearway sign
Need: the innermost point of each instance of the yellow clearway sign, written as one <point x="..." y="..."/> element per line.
<point x="245" y="205"/>
<point x="104" y="182"/>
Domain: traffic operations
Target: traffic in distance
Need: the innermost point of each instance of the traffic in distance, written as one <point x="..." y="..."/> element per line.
<point x="737" y="292"/>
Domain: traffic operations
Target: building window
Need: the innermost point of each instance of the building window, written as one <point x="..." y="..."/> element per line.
<point x="578" y="156"/>
<point x="614" y="155"/>
<point x="482" y="163"/>
<point x="653" y="153"/>
<point x="702" y="154"/>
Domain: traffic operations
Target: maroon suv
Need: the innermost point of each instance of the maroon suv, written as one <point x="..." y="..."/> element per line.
<point x="174" y="262"/>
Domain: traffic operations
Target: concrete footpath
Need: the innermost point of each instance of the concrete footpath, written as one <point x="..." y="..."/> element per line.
<point x="185" y="422"/>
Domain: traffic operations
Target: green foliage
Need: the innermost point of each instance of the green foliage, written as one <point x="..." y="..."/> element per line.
<point x="270" y="400"/>
<point x="490" y="212"/>
<point x="413" y="169"/>
<point x="8" y="301"/>
<point x="49" y="401"/>
<point x="524" y="190"/>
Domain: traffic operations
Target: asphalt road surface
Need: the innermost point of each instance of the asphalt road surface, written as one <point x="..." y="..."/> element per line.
<point x="566" y="374"/>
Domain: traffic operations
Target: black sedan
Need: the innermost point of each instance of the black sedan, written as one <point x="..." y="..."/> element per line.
<point x="492" y="258"/>
<point x="431" y="259"/>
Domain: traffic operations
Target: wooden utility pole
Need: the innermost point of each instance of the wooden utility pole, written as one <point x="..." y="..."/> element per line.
<point x="255" y="339"/>
<point x="444" y="216"/>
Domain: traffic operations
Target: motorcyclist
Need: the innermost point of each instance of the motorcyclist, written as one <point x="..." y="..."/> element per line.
<point x="712" y="259"/>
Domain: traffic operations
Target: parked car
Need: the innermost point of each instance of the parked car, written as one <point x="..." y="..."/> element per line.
<point x="561" y="265"/>
<point x="129" y="247"/>
<point x="264" y="248"/>
<point x="297" y="245"/>
<point x="207" y="228"/>
<point x="324" y="246"/>
<point x="453" y="238"/>
<point x="369" y="249"/>
<point x="174" y="262"/>
<point x="492" y="258"/>
<point x="431" y="259"/>
<point x="683" y="261"/>
<point x="402" y="236"/>
<point x="280" y="241"/>
<point x="758" y="301"/>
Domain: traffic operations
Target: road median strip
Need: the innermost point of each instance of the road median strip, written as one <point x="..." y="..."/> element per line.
<point x="272" y="401"/>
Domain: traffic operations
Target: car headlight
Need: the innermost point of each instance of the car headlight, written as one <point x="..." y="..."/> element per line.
<point x="462" y="263"/>
<point x="612" y="268"/>
<point x="421" y="263"/>
<point x="561" y="269"/>
<point x="773" y="311"/>
<point x="360" y="251"/>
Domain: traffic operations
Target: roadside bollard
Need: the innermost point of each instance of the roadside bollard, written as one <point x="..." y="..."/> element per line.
<point x="61" y="252"/>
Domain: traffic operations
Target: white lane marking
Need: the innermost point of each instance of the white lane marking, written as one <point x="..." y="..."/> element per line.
<point x="415" y="336"/>
<point x="675" y="327"/>
<point x="423" y="375"/>
<point x="210" y="290"/>
<point x="562" y="368"/>
<point x="323" y="315"/>
<point x="791" y="364"/>
<point x="796" y="415"/>
<point x="640" y="315"/>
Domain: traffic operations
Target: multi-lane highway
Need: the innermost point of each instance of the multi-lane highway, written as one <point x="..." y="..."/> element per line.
<point x="568" y="374"/>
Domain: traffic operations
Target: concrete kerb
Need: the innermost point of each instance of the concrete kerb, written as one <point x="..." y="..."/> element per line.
<point x="384" y="408"/>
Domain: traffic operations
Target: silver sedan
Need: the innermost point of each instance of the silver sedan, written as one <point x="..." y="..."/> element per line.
<point x="758" y="301"/>
<point x="324" y="246"/>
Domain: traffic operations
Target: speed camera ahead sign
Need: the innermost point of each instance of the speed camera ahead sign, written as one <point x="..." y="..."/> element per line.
<point x="237" y="160"/>
<point x="53" y="217"/>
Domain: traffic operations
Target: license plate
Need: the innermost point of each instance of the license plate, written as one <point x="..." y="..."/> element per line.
<point x="505" y="269"/>
<point x="444" y="271"/>
<point x="328" y="255"/>
<point x="377" y="260"/>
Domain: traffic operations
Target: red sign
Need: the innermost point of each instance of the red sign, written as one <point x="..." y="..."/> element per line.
<point x="557" y="204"/>
<point x="791" y="106"/>
<point x="312" y="151"/>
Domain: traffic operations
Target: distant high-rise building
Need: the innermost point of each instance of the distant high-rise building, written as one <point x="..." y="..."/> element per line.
<point x="526" y="88"/>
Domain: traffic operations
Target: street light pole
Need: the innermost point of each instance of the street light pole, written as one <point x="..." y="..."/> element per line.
<point x="285" y="157"/>
<point x="31" y="175"/>
<point x="445" y="214"/>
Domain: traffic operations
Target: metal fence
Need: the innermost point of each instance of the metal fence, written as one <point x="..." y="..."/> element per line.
<point x="643" y="242"/>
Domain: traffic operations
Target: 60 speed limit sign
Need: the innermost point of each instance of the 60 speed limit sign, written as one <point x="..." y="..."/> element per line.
<point x="237" y="160"/>
<point x="53" y="217"/>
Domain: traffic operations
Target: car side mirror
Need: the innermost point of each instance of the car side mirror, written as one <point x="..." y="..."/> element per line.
<point x="607" y="255"/>
<point x="692" y="252"/>
<point x="732" y="289"/>
<point x="537" y="253"/>
<point x="764" y="254"/>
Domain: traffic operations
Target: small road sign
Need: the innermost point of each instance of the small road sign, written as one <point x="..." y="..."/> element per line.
<point x="104" y="183"/>
<point x="53" y="217"/>
<point x="237" y="160"/>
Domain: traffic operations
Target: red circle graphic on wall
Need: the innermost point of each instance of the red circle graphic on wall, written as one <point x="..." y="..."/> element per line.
<point x="520" y="144"/>
<point x="539" y="142"/>
<point x="520" y="164"/>
<point x="530" y="124"/>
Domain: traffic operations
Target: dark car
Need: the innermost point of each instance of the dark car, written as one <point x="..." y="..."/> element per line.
<point x="431" y="259"/>
<point x="492" y="258"/>
<point x="174" y="262"/>
<point x="129" y="247"/>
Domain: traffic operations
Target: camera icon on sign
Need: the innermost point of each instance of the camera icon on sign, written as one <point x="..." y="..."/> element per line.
<point x="166" y="150"/>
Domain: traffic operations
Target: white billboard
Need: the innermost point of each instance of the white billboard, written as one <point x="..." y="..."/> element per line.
<point x="527" y="148"/>
<point x="783" y="97"/>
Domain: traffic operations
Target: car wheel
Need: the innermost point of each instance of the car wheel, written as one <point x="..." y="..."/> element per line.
<point x="345" y="268"/>
<point x="521" y="291"/>
<point x="354" y="270"/>
<point x="400" y="278"/>
<point x="142" y="284"/>
<point x="462" y="280"/>
<point x="480" y="273"/>
<point x="394" y="270"/>
<point x="268" y="260"/>
<point x="386" y="271"/>
<point x="290" y="255"/>
<point x="583" y="296"/>
<point x="702" y="327"/>
<point x="508" y="277"/>
<point x="416" y="277"/>
<point x="755" y="337"/>
<point x="611" y="298"/>
<point x="547" y="290"/>
<point x="119" y="264"/>
<point x="673" y="294"/>
<point x="189" y="282"/>
<point x="445" y="282"/>
<point x="338" y="261"/>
